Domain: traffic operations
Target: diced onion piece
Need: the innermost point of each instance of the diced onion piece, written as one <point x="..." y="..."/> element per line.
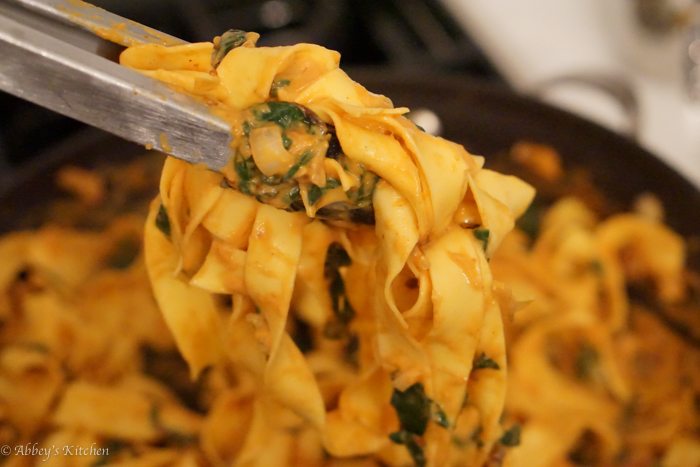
<point x="268" y="151"/>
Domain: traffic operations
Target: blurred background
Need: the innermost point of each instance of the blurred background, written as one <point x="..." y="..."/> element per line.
<point x="630" y="65"/>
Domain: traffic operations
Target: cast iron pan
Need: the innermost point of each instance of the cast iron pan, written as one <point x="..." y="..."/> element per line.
<point x="487" y="119"/>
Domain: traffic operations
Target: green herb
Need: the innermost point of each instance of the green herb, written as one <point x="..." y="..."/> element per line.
<point x="413" y="408"/>
<point x="229" y="40"/>
<point x="246" y="128"/>
<point x="162" y="221"/>
<point x="314" y="193"/>
<point x="411" y="442"/>
<point x="293" y="199"/>
<point x="245" y="169"/>
<point x="277" y="85"/>
<point x="336" y="257"/>
<point x="482" y="361"/>
<point x="586" y="362"/>
<point x="529" y="222"/>
<point x="286" y="141"/>
<point x="511" y="437"/>
<point x="331" y="183"/>
<point x="283" y="114"/>
<point x="362" y="197"/>
<point x="483" y="236"/>
<point x="303" y="160"/>
<point x="242" y="169"/>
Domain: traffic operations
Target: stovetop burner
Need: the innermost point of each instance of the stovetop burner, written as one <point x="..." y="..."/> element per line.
<point x="394" y="34"/>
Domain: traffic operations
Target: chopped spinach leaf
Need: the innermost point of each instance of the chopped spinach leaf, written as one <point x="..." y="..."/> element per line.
<point x="482" y="361"/>
<point x="242" y="169"/>
<point x="411" y="442"/>
<point x="303" y="160"/>
<point x="331" y="183"/>
<point x="336" y="257"/>
<point x="529" y="222"/>
<point x="511" y="437"/>
<point x="293" y="199"/>
<point x="483" y="236"/>
<point x="229" y="40"/>
<point x="315" y="192"/>
<point x="162" y="221"/>
<point x="246" y="128"/>
<point x="283" y="114"/>
<point x="276" y="85"/>
<point x="413" y="408"/>
<point x="286" y="141"/>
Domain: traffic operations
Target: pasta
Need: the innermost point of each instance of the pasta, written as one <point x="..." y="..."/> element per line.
<point x="377" y="306"/>
<point x="411" y="295"/>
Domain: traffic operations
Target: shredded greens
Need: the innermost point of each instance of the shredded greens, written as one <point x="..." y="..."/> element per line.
<point x="511" y="437"/>
<point x="283" y="114"/>
<point x="337" y="257"/>
<point x="415" y="409"/>
<point x="483" y="236"/>
<point x="482" y="361"/>
<point x="229" y="40"/>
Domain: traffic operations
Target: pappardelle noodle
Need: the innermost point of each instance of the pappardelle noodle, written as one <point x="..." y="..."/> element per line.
<point x="342" y="294"/>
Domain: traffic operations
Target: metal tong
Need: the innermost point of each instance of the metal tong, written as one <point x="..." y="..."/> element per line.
<point x="61" y="54"/>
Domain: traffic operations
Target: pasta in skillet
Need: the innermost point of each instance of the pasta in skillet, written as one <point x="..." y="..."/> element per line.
<point x="404" y="349"/>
